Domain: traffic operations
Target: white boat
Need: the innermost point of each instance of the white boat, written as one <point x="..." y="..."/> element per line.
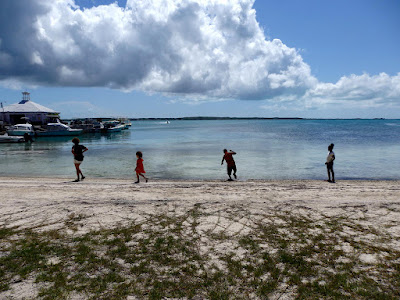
<point x="20" y="130"/>
<point x="113" y="126"/>
<point x="125" y="122"/>
<point x="88" y="125"/>
<point x="98" y="126"/>
<point x="126" y="125"/>
<point x="59" y="129"/>
<point x="5" y="138"/>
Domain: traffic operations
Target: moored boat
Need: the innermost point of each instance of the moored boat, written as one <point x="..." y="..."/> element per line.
<point x="125" y="122"/>
<point x="58" y="129"/>
<point x="88" y="125"/>
<point x="21" y="130"/>
<point x="113" y="126"/>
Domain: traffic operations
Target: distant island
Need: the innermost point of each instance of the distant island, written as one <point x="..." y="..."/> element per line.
<point x="214" y="118"/>
<point x="242" y="118"/>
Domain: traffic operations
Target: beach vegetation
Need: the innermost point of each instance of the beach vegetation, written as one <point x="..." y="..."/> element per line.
<point x="184" y="255"/>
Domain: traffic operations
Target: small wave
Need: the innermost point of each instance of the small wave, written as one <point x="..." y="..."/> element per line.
<point x="392" y="124"/>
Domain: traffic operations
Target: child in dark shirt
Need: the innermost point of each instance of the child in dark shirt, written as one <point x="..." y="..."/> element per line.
<point x="77" y="151"/>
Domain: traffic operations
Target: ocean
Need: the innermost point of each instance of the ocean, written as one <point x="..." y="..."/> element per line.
<point x="192" y="149"/>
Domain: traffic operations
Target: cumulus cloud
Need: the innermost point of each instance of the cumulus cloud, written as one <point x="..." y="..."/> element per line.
<point x="190" y="49"/>
<point x="358" y="90"/>
<point x="211" y="48"/>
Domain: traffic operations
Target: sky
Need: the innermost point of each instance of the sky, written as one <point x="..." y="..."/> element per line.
<point x="175" y="58"/>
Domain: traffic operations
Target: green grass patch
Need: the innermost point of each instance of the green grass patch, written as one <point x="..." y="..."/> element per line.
<point x="167" y="256"/>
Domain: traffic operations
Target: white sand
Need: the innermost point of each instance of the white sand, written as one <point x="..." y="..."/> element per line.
<point x="228" y="207"/>
<point x="49" y="202"/>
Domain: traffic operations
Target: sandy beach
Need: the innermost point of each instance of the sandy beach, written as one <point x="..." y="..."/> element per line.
<point x="47" y="202"/>
<point x="365" y="212"/>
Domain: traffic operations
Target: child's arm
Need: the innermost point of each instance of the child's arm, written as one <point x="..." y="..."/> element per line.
<point x="222" y="162"/>
<point x="233" y="152"/>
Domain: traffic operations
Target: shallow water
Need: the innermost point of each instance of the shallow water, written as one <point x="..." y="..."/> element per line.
<point x="266" y="149"/>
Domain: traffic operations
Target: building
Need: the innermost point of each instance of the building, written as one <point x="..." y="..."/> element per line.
<point x="27" y="110"/>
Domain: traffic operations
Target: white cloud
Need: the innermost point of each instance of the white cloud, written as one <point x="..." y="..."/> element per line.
<point x="211" y="48"/>
<point x="192" y="50"/>
<point x="357" y="90"/>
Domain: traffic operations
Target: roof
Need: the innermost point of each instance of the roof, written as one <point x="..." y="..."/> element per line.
<point x="28" y="107"/>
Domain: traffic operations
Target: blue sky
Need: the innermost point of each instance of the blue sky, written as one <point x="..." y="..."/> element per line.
<point x="337" y="37"/>
<point x="335" y="59"/>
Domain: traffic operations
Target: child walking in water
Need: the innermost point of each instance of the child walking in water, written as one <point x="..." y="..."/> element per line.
<point x="139" y="167"/>
<point x="329" y="163"/>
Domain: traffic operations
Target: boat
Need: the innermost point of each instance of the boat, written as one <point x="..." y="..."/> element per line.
<point x="20" y="130"/>
<point x="88" y="125"/>
<point x="113" y="126"/>
<point x="58" y="129"/>
<point x="97" y="126"/>
<point x="125" y="122"/>
<point x="5" y="138"/>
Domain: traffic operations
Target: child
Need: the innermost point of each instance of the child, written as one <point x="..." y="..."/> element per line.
<point x="139" y="167"/>
<point x="231" y="166"/>
<point x="329" y="163"/>
<point x="77" y="151"/>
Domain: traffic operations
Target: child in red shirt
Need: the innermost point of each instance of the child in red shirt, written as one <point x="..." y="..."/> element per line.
<point x="139" y="167"/>
<point x="230" y="163"/>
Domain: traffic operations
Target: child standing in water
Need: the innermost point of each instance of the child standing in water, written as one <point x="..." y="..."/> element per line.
<point x="329" y="163"/>
<point x="139" y="167"/>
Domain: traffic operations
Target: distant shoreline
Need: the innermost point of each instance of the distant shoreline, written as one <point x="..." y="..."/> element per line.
<point x="207" y="118"/>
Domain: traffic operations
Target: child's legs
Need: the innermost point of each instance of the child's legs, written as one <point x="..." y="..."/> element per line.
<point x="229" y="170"/>
<point x="140" y="174"/>
<point x="329" y="167"/>
<point x="78" y="171"/>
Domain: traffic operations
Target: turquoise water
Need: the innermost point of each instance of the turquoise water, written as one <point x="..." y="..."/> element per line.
<point x="266" y="149"/>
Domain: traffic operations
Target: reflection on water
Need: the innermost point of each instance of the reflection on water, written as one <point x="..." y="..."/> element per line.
<point x="267" y="149"/>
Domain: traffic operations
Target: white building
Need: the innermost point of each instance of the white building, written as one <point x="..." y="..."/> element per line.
<point x="27" y="110"/>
